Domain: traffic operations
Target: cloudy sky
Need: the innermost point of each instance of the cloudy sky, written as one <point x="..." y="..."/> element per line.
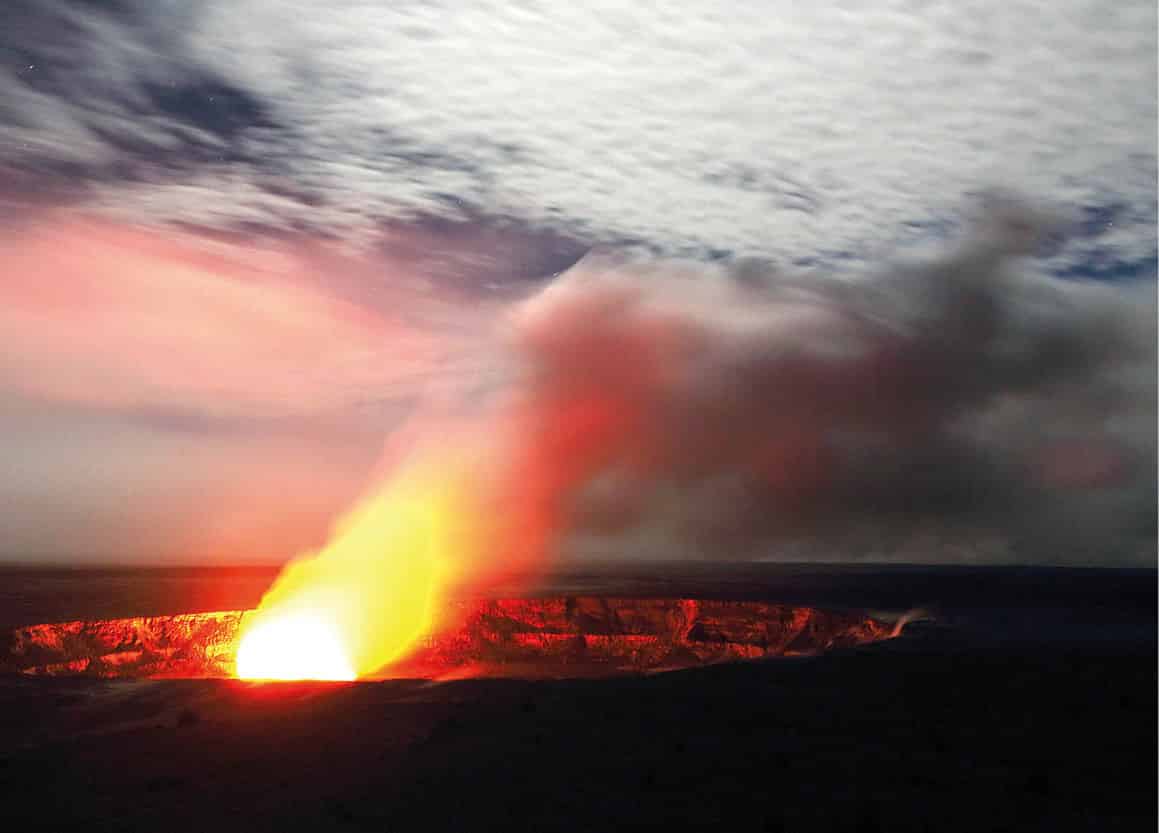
<point x="243" y="241"/>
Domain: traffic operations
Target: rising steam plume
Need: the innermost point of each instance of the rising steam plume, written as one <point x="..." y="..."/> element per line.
<point x="965" y="406"/>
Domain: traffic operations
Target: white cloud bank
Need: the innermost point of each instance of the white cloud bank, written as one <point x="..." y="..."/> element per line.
<point x="801" y="131"/>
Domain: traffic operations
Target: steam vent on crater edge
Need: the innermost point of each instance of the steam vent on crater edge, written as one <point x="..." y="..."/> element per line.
<point x="552" y="637"/>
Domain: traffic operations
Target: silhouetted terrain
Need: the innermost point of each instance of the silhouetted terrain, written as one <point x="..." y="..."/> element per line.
<point x="963" y="726"/>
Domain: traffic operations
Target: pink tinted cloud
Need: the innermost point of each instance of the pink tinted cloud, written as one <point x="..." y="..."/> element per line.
<point x="100" y="315"/>
<point x="172" y="399"/>
<point x="79" y="486"/>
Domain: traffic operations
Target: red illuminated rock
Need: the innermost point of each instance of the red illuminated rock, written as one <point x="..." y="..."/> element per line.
<point x="184" y="645"/>
<point x="595" y="635"/>
<point x="570" y="636"/>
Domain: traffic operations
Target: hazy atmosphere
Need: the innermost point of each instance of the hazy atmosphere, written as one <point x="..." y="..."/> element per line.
<point x="757" y="281"/>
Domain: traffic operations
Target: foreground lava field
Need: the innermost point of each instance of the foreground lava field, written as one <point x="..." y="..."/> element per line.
<point x="976" y="726"/>
<point x="897" y="736"/>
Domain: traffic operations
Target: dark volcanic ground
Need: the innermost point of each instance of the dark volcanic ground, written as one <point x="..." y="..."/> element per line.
<point x="1032" y="708"/>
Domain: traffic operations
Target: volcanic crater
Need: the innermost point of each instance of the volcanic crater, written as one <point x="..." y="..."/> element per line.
<point x="564" y="636"/>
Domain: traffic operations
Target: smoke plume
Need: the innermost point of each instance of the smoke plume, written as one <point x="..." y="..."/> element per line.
<point x="960" y="409"/>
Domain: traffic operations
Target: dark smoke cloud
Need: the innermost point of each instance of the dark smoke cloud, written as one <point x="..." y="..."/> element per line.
<point x="964" y="408"/>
